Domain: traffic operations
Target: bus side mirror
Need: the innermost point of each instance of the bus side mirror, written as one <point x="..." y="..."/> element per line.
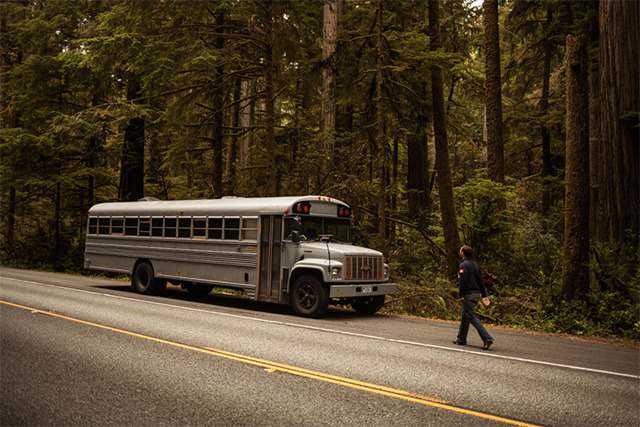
<point x="295" y="236"/>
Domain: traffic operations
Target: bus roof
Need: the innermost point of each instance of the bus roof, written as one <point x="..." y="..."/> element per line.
<point x="227" y="206"/>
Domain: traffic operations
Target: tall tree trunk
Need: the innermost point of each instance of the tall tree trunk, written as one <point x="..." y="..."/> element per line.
<point x="618" y="180"/>
<point x="495" y="144"/>
<point x="232" y="142"/>
<point x="445" y="183"/>
<point x="269" y="77"/>
<point x="218" y="116"/>
<point x="132" y="163"/>
<point x="418" y="177"/>
<point x="247" y="107"/>
<point x="595" y="161"/>
<point x="331" y="17"/>
<point x="575" y="275"/>
<point x="381" y="157"/>
<point x="547" y="169"/>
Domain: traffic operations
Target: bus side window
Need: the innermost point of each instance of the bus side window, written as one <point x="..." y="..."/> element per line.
<point x="131" y="226"/>
<point x="232" y="228"/>
<point x="104" y="225"/>
<point x="250" y="229"/>
<point x="145" y="226"/>
<point x="215" y="228"/>
<point x="117" y="226"/>
<point x="156" y="227"/>
<point x="93" y="225"/>
<point x="199" y="228"/>
<point x="170" y="225"/>
<point x="184" y="228"/>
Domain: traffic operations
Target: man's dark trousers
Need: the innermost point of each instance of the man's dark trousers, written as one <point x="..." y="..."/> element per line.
<point x="469" y="316"/>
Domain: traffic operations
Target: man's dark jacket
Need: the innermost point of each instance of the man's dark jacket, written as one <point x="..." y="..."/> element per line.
<point x="470" y="278"/>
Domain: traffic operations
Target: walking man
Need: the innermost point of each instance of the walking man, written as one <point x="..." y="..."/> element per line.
<point x="471" y="289"/>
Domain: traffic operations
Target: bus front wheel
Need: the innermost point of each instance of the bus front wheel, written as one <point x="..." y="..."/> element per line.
<point x="309" y="297"/>
<point x="143" y="280"/>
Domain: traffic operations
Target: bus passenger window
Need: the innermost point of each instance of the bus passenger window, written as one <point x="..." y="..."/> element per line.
<point x="131" y="226"/>
<point x="232" y="229"/>
<point x="170" y="225"/>
<point x="103" y="225"/>
<point x="215" y="228"/>
<point x="250" y="229"/>
<point x="199" y="228"/>
<point x="93" y="225"/>
<point x="117" y="226"/>
<point x="145" y="226"/>
<point x="184" y="228"/>
<point x="156" y="227"/>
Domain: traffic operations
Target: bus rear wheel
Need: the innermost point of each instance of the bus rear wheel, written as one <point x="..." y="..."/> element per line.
<point x="368" y="305"/>
<point x="144" y="281"/>
<point x="309" y="297"/>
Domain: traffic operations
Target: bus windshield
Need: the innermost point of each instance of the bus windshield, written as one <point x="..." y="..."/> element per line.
<point x="313" y="227"/>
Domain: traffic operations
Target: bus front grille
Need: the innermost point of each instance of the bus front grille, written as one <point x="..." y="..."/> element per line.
<point x="363" y="268"/>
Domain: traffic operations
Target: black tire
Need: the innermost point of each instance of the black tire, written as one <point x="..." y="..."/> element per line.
<point x="144" y="281"/>
<point x="368" y="305"/>
<point x="309" y="297"/>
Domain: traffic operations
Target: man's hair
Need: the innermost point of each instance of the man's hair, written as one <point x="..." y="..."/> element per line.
<point x="467" y="251"/>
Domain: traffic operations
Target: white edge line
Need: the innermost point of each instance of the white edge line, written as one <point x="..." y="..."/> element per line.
<point x="334" y="331"/>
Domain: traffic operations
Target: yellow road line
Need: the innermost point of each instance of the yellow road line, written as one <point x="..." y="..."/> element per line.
<point x="373" y="388"/>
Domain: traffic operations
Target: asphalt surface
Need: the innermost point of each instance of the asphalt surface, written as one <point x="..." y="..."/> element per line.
<point x="83" y="351"/>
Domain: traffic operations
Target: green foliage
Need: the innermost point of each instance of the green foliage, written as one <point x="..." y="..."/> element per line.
<point x="484" y="222"/>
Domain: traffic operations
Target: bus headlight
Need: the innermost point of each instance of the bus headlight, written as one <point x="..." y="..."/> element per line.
<point x="387" y="272"/>
<point x="335" y="272"/>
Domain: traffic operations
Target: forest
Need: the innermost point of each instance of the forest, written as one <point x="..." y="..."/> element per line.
<point x="511" y="126"/>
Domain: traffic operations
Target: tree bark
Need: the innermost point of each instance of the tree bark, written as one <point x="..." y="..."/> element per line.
<point x="247" y="107"/>
<point x="218" y="116"/>
<point x="547" y="169"/>
<point x="269" y="77"/>
<point x="618" y="178"/>
<point x="331" y="17"/>
<point x="495" y="144"/>
<point x="443" y="169"/>
<point x="232" y="146"/>
<point x="132" y="163"/>
<point x="381" y="157"/>
<point x="575" y="277"/>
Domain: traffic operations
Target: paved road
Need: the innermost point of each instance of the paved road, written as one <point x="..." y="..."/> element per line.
<point x="82" y="351"/>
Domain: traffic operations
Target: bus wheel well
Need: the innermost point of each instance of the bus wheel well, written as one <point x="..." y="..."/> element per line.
<point x="138" y="262"/>
<point x="302" y="271"/>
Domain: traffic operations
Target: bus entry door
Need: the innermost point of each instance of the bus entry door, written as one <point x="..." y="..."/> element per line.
<point x="270" y="257"/>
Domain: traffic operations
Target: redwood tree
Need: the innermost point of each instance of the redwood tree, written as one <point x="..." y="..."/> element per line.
<point x="575" y="276"/>
<point x="495" y="145"/>
<point x="617" y="173"/>
<point x="443" y="168"/>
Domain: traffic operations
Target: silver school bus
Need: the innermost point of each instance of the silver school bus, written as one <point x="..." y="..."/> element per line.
<point x="294" y="250"/>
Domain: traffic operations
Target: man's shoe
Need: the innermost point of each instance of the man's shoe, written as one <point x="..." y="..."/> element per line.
<point x="486" y="345"/>
<point x="459" y="343"/>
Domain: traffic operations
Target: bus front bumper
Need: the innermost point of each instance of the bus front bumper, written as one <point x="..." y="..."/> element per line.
<point x="362" y="290"/>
